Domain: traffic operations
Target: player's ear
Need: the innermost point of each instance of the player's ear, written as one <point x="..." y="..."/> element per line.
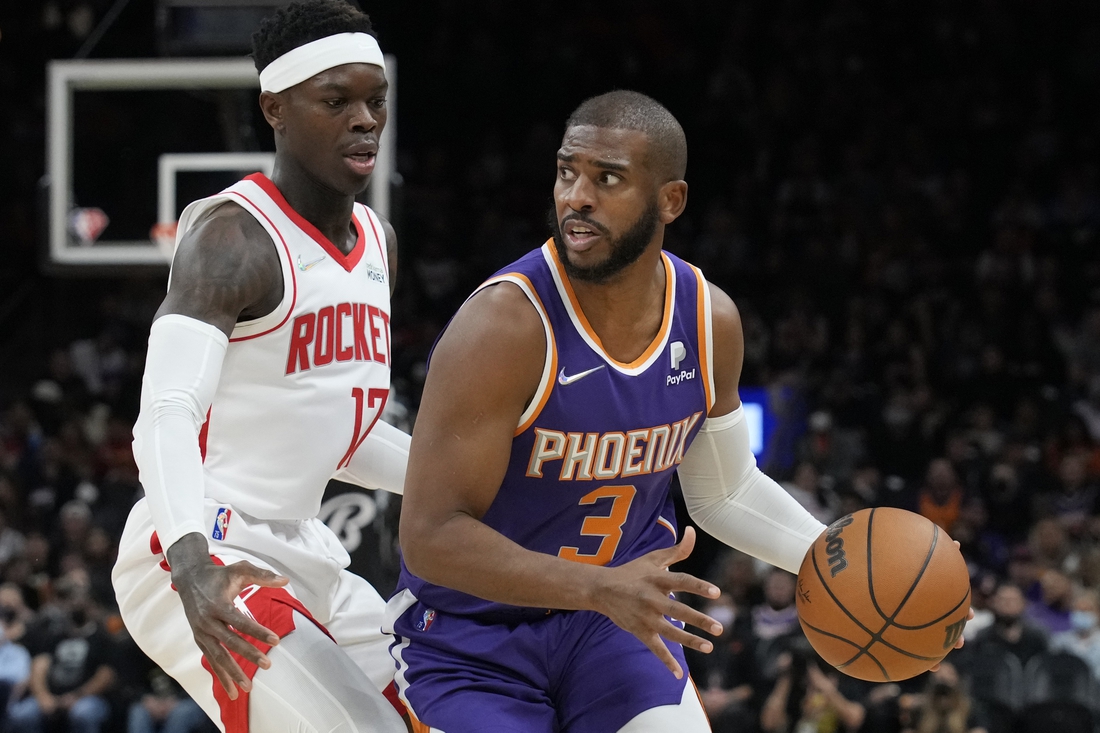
<point x="273" y="107"/>
<point x="672" y="200"/>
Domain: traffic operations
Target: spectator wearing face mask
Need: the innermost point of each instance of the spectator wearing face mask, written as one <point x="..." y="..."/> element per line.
<point x="1083" y="639"/>
<point x="1009" y="631"/>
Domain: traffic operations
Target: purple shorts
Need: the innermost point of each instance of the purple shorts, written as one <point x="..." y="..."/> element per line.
<point x="570" y="672"/>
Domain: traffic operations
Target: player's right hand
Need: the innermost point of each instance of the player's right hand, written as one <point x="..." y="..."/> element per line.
<point x="207" y="592"/>
<point x="636" y="596"/>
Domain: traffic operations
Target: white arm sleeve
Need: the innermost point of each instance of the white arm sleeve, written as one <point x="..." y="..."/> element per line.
<point x="734" y="501"/>
<point x="181" y="375"/>
<point x="380" y="461"/>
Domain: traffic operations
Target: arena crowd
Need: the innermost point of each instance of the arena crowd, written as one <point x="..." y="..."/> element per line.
<point x="904" y="203"/>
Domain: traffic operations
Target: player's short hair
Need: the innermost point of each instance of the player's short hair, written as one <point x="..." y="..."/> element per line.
<point x="300" y="23"/>
<point x="626" y="110"/>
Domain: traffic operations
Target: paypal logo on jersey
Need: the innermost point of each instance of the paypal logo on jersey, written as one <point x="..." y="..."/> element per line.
<point x="677" y="352"/>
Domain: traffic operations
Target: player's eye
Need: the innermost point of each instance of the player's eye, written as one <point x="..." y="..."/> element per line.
<point x="610" y="179"/>
<point x="335" y="103"/>
<point x="378" y="103"/>
<point x="565" y="173"/>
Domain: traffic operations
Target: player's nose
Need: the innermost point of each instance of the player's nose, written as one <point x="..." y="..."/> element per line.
<point x="362" y="118"/>
<point x="580" y="195"/>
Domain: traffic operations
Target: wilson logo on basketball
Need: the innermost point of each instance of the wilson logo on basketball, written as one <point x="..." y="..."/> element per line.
<point x="834" y="547"/>
<point x="953" y="632"/>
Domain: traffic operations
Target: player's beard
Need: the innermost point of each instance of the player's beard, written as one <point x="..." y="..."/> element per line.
<point x="624" y="250"/>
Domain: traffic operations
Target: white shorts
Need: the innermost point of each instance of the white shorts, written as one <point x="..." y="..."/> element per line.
<point x="306" y="552"/>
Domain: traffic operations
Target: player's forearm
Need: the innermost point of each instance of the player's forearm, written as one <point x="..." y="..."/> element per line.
<point x="381" y="460"/>
<point x="181" y="376"/>
<point x="732" y="500"/>
<point x="467" y="555"/>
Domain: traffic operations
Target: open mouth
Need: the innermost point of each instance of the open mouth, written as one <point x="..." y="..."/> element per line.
<point x="361" y="162"/>
<point x="580" y="235"/>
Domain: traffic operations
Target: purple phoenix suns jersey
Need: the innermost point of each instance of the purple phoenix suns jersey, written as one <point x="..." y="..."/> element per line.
<point x="594" y="454"/>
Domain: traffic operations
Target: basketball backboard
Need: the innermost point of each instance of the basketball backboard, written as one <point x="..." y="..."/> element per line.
<point x="131" y="141"/>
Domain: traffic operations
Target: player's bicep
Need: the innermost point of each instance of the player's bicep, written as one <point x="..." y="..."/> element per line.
<point x="483" y="373"/>
<point x="224" y="266"/>
<point x="729" y="352"/>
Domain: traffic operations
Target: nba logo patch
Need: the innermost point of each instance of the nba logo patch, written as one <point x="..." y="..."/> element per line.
<point x="221" y="523"/>
<point x="426" y="621"/>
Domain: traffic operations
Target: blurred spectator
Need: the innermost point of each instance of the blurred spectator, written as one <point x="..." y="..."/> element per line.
<point x="72" y="667"/>
<point x="1010" y="632"/>
<point x="1050" y="546"/>
<point x="71" y="535"/>
<point x="15" y="660"/>
<point x="775" y="621"/>
<point x="11" y="541"/>
<point x="809" y="695"/>
<point x="728" y="676"/>
<point x="983" y="587"/>
<point x="807" y="489"/>
<point x="1052" y="611"/>
<point x="941" y="497"/>
<point x="153" y="700"/>
<point x="943" y="707"/>
<point x="1083" y="638"/>
<point x="1074" y="498"/>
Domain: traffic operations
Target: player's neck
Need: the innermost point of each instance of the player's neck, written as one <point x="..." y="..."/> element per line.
<point x="626" y="312"/>
<point x="325" y="209"/>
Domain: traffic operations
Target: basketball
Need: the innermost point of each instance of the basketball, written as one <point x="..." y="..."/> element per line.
<point x="883" y="594"/>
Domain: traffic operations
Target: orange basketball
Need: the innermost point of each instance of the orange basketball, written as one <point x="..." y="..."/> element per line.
<point x="883" y="594"/>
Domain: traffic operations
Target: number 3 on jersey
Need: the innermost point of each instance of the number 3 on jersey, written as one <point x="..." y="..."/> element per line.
<point x="609" y="527"/>
<point x="373" y="395"/>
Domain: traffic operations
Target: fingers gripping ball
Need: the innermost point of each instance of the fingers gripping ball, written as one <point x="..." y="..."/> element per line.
<point x="883" y="594"/>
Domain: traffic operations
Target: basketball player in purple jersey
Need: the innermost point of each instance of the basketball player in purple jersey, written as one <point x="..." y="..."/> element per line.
<point x="537" y="526"/>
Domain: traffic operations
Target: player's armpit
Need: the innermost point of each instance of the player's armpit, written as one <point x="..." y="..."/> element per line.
<point x="728" y="345"/>
<point x="225" y="269"/>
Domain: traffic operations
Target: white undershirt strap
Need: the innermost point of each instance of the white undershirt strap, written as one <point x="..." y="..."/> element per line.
<point x="182" y="370"/>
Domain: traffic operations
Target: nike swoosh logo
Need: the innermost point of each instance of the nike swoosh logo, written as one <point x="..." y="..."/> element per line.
<point x="564" y="380"/>
<point x="308" y="265"/>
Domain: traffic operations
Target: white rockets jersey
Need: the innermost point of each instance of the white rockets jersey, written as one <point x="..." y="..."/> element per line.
<point x="301" y="387"/>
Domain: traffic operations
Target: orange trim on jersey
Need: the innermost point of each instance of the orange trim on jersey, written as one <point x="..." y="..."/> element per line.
<point x="548" y="387"/>
<point x="704" y="344"/>
<point x="347" y="261"/>
<point x="667" y="525"/>
<point x="699" y="696"/>
<point x="293" y="277"/>
<point x="417" y="726"/>
<point x="662" y="332"/>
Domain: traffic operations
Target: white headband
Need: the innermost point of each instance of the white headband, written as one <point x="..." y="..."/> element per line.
<point x="304" y="62"/>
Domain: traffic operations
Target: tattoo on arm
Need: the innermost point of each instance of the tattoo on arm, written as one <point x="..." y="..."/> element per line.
<point x="225" y="270"/>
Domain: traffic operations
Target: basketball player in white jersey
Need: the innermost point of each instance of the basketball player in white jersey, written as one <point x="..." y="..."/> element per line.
<point x="268" y="368"/>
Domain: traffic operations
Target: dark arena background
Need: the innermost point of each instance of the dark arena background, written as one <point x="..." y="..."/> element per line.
<point x="902" y="198"/>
